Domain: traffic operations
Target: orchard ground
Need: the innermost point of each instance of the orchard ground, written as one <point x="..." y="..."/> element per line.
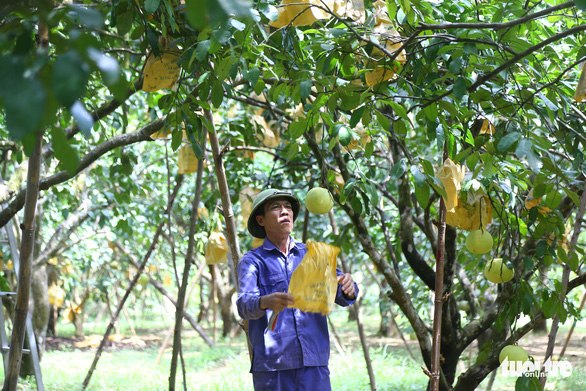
<point x="128" y="366"/>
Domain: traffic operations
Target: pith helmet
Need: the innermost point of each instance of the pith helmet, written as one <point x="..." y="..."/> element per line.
<point x="264" y="196"/>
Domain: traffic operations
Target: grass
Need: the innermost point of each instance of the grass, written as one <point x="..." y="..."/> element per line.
<point x="226" y="366"/>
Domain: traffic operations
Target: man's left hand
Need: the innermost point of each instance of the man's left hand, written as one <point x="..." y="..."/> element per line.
<point x="347" y="283"/>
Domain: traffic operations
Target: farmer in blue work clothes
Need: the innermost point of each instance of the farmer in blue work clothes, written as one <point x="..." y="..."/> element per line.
<point x="295" y="355"/>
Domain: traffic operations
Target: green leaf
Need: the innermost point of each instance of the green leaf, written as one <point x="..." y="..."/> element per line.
<point x="150" y="6"/>
<point x="252" y="76"/>
<point x="235" y="7"/>
<point x="383" y="120"/>
<point x="398" y="169"/>
<point x="202" y="49"/>
<point x="549" y="307"/>
<point x="348" y="187"/>
<point x="124" y="22"/>
<point x="25" y="108"/>
<point x="431" y="112"/>
<point x="523" y="148"/>
<point x="534" y="161"/>
<point x="573" y="262"/>
<point x="399" y="110"/>
<point x="84" y="119"/>
<point x="573" y="196"/>
<point x="69" y="78"/>
<point x="238" y="25"/>
<point x="356" y="116"/>
<point x="356" y="205"/>
<point x="196" y="13"/>
<point x="305" y="88"/>
<point x="63" y="150"/>
<point x="507" y="141"/>
<point x="217" y="93"/>
<point x="455" y="65"/>
<point x="428" y="167"/>
<point x="550" y="105"/>
<point x="4" y="285"/>
<point x="90" y="18"/>
<point x="297" y="128"/>
<point x="369" y="149"/>
<point x="561" y="254"/>
<point x="528" y="383"/>
<point x="440" y="137"/>
<point x="459" y="88"/>
<point x="422" y="194"/>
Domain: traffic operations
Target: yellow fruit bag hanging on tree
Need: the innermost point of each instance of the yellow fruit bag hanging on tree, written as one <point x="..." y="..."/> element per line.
<point x="314" y="282"/>
<point x="580" y="93"/>
<point x="471" y="216"/>
<point x="161" y="72"/>
<point x="451" y="176"/>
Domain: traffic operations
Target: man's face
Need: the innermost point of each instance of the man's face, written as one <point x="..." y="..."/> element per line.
<point x="277" y="218"/>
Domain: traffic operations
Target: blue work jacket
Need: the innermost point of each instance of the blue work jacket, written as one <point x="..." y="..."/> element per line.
<point x="300" y="339"/>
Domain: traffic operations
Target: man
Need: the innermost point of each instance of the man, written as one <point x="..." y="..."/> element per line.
<point x="295" y="355"/>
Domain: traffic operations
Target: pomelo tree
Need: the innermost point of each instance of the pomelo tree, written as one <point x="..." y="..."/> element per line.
<point x="411" y="114"/>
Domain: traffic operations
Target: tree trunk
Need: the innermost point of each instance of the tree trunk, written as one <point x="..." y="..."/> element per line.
<point x="42" y="308"/>
<point x="225" y="292"/>
<point x="181" y="296"/>
<point x="25" y="267"/>
<point x="384" y="305"/>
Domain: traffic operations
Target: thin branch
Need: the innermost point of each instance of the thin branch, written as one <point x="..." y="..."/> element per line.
<point x="498" y="26"/>
<point x="142" y="134"/>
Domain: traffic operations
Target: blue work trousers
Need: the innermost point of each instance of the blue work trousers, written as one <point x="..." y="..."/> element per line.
<point x="300" y="379"/>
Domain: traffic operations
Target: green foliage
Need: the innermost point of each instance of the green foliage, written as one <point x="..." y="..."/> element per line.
<point x="307" y="85"/>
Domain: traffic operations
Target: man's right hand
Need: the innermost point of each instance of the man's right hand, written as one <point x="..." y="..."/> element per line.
<point x="277" y="301"/>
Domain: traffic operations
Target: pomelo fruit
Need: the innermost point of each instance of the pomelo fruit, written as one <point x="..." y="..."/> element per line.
<point x="479" y="241"/>
<point x="513" y="353"/>
<point x="319" y="201"/>
<point x="496" y="271"/>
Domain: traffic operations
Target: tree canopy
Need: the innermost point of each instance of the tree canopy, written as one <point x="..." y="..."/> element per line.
<point x="370" y="100"/>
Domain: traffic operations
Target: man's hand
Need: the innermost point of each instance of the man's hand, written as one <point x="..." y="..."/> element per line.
<point x="277" y="301"/>
<point x="347" y="283"/>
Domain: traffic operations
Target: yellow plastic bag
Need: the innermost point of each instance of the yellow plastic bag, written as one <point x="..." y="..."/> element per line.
<point x="161" y="72"/>
<point x="314" y="282"/>
<point x="217" y="248"/>
<point x="580" y="93"/>
<point x="468" y="216"/>
<point x="451" y="176"/>
<point x="532" y="202"/>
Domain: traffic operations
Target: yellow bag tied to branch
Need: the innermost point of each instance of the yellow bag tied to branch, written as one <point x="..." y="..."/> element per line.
<point x="314" y="282"/>
<point x="487" y="128"/>
<point x="532" y="202"/>
<point x="246" y="197"/>
<point x="186" y="160"/>
<point x="216" y="249"/>
<point x="580" y="93"/>
<point x="388" y="37"/>
<point x="56" y="295"/>
<point x="468" y="216"/>
<point x="161" y="72"/>
<point x="307" y="12"/>
<point x="451" y="176"/>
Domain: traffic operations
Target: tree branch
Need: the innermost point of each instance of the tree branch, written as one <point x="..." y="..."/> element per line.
<point x="498" y="26"/>
<point x="117" y="141"/>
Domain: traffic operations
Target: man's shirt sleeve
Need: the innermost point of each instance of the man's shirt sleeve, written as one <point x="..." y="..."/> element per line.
<point x="248" y="302"/>
<point x="340" y="297"/>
